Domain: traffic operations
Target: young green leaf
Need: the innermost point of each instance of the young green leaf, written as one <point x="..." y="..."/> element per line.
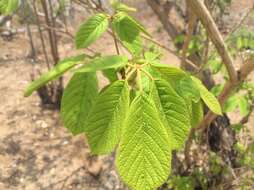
<point x="104" y="122"/>
<point x="57" y="71"/>
<point x="146" y="74"/>
<point x="118" y="6"/>
<point x="187" y="89"/>
<point x="135" y="48"/>
<point x="197" y="113"/>
<point x="231" y="103"/>
<point x="152" y="57"/>
<point x="103" y="63"/>
<point x="169" y="73"/>
<point x="77" y="100"/>
<point x="209" y="99"/>
<point x="244" y="106"/>
<point x="144" y="154"/>
<point x="7" y="7"/>
<point x="175" y="110"/>
<point x="110" y="74"/>
<point x="217" y="89"/>
<point x="126" y="27"/>
<point x="91" y="30"/>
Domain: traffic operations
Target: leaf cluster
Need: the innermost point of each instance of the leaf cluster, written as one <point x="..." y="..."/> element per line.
<point x="144" y="113"/>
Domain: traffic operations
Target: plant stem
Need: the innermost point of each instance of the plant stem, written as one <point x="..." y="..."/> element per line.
<point x="139" y="80"/>
<point x="147" y="74"/>
<point x="130" y="73"/>
<point x="115" y="41"/>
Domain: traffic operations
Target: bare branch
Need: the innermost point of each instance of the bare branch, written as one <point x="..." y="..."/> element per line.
<point x="187" y="40"/>
<point x="204" y="15"/>
<point x="162" y="12"/>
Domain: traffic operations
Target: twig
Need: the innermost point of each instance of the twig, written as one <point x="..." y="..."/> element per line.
<point x="111" y="33"/>
<point x="60" y="31"/>
<point x="187" y="40"/>
<point x="41" y="34"/>
<point x="172" y="51"/>
<point x="204" y="15"/>
<point x="240" y="22"/>
<point x="115" y="42"/>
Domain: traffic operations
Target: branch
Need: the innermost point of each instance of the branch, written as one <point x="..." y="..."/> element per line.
<point x="187" y="40"/>
<point x="162" y="12"/>
<point x="204" y="15"/>
<point x="243" y="72"/>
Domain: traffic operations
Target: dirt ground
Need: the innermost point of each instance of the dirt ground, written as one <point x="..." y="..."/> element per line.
<point x="36" y="151"/>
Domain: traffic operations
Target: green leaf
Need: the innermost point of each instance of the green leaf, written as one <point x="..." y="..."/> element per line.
<point x="135" y="48"/>
<point x="146" y="81"/>
<point x="57" y="71"/>
<point x="128" y="31"/>
<point x="197" y="113"/>
<point x="237" y="127"/>
<point x="175" y="110"/>
<point x="209" y="99"/>
<point x="122" y="7"/>
<point x="215" y="65"/>
<point x="152" y="57"/>
<point x="231" y="103"/>
<point x="244" y="106"/>
<point x="77" y="100"/>
<point x="126" y="27"/>
<point x="187" y="89"/>
<point x="91" y="30"/>
<point x="217" y="89"/>
<point x="143" y="158"/>
<point x="169" y="73"/>
<point x="104" y="122"/>
<point x="7" y="7"/>
<point x="104" y="63"/>
<point x="110" y="74"/>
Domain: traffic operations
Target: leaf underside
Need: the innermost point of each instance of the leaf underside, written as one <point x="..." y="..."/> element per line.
<point x="91" y="30"/>
<point x="174" y="110"/>
<point x="57" y="71"/>
<point x="104" y="122"/>
<point x="144" y="154"/>
<point x="77" y="100"/>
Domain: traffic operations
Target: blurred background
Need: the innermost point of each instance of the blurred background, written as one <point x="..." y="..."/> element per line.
<point x="37" y="152"/>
